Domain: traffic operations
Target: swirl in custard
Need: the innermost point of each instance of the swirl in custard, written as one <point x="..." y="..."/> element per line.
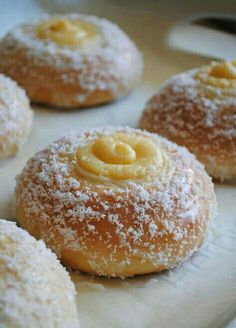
<point x="68" y="32"/>
<point x="121" y="156"/>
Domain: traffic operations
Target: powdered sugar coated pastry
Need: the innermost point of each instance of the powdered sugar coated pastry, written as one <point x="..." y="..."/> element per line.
<point x="15" y="117"/>
<point x="116" y="201"/>
<point x="197" y="109"/>
<point x="71" y="60"/>
<point x="35" y="290"/>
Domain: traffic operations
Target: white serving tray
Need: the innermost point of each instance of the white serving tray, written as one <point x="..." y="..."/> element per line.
<point x="202" y="292"/>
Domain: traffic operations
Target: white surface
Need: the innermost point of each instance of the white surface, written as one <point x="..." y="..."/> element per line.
<point x="206" y="41"/>
<point x="200" y="293"/>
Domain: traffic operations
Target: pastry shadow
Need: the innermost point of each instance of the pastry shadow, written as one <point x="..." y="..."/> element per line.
<point x="61" y="109"/>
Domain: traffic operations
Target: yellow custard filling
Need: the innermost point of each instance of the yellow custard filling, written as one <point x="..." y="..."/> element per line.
<point x="68" y="32"/>
<point x="218" y="74"/>
<point x="121" y="156"/>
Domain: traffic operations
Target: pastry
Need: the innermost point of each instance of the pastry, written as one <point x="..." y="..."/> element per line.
<point x="116" y="201"/>
<point x="15" y="117"/>
<point x="71" y="60"/>
<point x="35" y="290"/>
<point x="197" y="109"/>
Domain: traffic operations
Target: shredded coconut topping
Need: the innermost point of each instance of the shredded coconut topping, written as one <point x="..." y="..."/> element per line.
<point x="35" y="290"/>
<point x="15" y="116"/>
<point x="187" y="109"/>
<point x="199" y="116"/>
<point x="139" y="217"/>
<point x="106" y="67"/>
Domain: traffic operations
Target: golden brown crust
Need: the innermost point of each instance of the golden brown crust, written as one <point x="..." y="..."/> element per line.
<point x="70" y="78"/>
<point x="115" y="230"/>
<point x="199" y="117"/>
<point x="46" y="84"/>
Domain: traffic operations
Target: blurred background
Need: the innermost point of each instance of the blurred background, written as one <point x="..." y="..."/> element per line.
<point x="162" y="25"/>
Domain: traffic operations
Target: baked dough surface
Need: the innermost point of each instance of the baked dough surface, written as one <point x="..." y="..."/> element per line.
<point x="105" y="219"/>
<point x="197" y="109"/>
<point x="71" y="60"/>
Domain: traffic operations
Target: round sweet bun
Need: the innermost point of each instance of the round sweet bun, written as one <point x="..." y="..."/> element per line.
<point x="35" y="290"/>
<point x="15" y="117"/>
<point x="71" y="60"/>
<point x="197" y="109"/>
<point x="116" y="201"/>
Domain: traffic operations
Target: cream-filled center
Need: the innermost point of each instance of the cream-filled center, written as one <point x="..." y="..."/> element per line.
<point x="218" y="74"/>
<point x="68" y="32"/>
<point x="121" y="156"/>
